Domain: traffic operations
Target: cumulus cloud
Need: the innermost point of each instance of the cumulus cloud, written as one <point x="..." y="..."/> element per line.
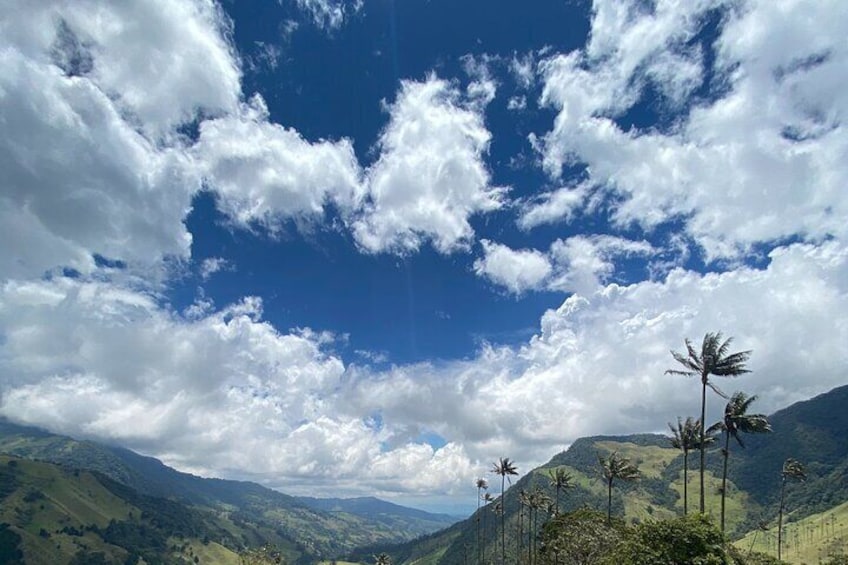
<point x="515" y="270"/>
<point x="223" y="392"/>
<point x="89" y="153"/>
<point x="264" y="173"/>
<point x="430" y="177"/>
<point x="579" y="264"/>
<point x="610" y="349"/>
<point x="768" y="145"/>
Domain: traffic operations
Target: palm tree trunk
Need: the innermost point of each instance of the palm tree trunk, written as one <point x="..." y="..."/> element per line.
<point x="609" y="502"/>
<point x="780" y="518"/>
<point x="503" y="515"/>
<point x="520" y="531"/>
<point x="479" y="561"/>
<point x="685" y="483"/>
<point x="703" y="435"/>
<point x="724" y="476"/>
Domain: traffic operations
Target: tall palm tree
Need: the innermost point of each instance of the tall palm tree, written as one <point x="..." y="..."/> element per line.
<point x="503" y="468"/>
<point x="612" y="468"/>
<point x="487" y="498"/>
<point x="686" y="436"/>
<point x="713" y="359"/>
<point x="524" y="502"/>
<point x="792" y="469"/>
<point x="737" y="421"/>
<point x="560" y="480"/>
<point x="538" y="500"/>
<point x="482" y="484"/>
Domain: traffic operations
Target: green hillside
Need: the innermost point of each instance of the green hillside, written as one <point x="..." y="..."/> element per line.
<point x="808" y="540"/>
<point x="308" y="531"/>
<point x="814" y="432"/>
<point x="56" y="515"/>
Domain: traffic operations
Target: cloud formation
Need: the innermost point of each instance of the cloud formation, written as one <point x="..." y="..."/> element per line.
<point x="97" y="163"/>
<point x="771" y="143"/>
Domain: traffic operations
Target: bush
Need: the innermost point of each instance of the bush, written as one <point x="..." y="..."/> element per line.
<point x="691" y="539"/>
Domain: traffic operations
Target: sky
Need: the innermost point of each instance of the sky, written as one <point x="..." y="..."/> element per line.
<point x="369" y="247"/>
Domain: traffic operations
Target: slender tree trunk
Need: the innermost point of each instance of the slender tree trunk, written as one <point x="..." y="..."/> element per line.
<point x="685" y="483"/>
<point x="503" y="522"/>
<point x="479" y="560"/>
<point x="530" y="535"/>
<point x="609" y="502"/>
<point x="724" y="476"/>
<point x="703" y="436"/>
<point x="556" y="513"/>
<point x="520" y="531"/>
<point x="780" y="518"/>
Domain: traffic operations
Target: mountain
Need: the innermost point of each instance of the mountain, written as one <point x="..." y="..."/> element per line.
<point x="56" y="515"/>
<point x="308" y="528"/>
<point x="412" y="520"/>
<point x="814" y="432"/>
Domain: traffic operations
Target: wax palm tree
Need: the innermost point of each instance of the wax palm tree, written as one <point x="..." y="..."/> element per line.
<point x="524" y="502"/>
<point x="612" y="468"/>
<point x="487" y="499"/>
<point x="538" y="501"/>
<point x="713" y="359"/>
<point x="504" y="467"/>
<point x="686" y="436"/>
<point x="560" y="480"/>
<point x="737" y="421"/>
<point x="792" y="469"/>
<point x="382" y="559"/>
<point x="482" y="484"/>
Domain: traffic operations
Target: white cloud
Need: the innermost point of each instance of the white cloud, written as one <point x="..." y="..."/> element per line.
<point x="226" y="394"/>
<point x="515" y="270"/>
<point x="585" y="263"/>
<point x="90" y="105"/>
<point x="212" y="265"/>
<point x="329" y="14"/>
<point x="430" y="177"/>
<point x="579" y="264"/>
<point x="263" y="172"/>
<point x="221" y="393"/>
<point x="610" y="349"/>
<point x="734" y="167"/>
<point x="549" y="207"/>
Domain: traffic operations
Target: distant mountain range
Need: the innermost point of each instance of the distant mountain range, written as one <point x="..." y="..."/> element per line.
<point x="232" y="514"/>
<point x="814" y="432"/>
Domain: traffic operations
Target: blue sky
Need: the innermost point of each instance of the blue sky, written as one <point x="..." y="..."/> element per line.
<point x="347" y="248"/>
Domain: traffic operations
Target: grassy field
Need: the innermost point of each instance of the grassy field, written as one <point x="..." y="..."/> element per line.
<point x="810" y="540"/>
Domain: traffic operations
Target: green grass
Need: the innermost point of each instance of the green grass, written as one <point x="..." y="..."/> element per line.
<point x="808" y="540"/>
<point x="651" y="460"/>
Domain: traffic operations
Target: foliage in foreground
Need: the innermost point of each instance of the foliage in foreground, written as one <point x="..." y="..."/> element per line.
<point x="583" y="537"/>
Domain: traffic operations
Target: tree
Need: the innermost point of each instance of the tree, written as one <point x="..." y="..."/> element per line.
<point x="503" y="468"/>
<point x="612" y="468"/>
<point x="560" y="480"/>
<point x="524" y="502"/>
<point x="687" y="437"/>
<point x="713" y="359"/>
<point x="736" y="422"/>
<point x="582" y="537"/>
<point x="482" y="484"/>
<point x="487" y="498"/>
<point x="686" y="539"/>
<point x="537" y="501"/>
<point x="792" y="469"/>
